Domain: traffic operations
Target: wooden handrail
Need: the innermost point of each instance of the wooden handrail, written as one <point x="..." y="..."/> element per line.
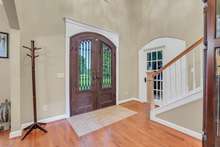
<point x="186" y="51"/>
<point x="151" y="75"/>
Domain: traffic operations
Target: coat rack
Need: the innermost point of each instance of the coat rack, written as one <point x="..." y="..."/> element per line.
<point x="35" y="125"/>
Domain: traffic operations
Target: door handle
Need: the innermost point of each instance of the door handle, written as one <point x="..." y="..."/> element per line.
<point x="93" y="75"/>
<point x="98" y="77"/>
<point x="145" y="80"/>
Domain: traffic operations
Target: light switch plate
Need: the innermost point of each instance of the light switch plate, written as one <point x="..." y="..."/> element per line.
<point x="60" y="75"/>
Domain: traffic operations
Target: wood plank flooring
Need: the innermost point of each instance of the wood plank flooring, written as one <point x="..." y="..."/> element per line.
<point x="135" y="131"/>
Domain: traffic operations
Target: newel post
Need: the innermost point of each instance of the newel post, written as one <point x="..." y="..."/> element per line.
<point x="150" y="93"/>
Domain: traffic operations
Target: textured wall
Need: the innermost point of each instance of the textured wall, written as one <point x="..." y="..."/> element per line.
<point x="136" y="22"/>
<point x="173" y="18"/>
<point x="44" y="23"/>
<point x="183" y="20"/>
<point x="188" y="116"/>
<point x="4" y="63"/>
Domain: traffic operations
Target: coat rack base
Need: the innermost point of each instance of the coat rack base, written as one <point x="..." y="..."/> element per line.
<point x="32" y="127"/>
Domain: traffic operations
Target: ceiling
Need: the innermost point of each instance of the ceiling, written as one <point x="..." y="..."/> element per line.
<point x="1" y="2"/>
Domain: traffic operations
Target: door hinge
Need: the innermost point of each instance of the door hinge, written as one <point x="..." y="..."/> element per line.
<point x="204" y="136"/>
<point x="204" y="1"/>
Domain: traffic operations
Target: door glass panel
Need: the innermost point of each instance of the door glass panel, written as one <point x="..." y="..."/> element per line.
<point x="217" y="18"/>
<point x="84" y="53"/>
<point x="106" y="66"/>
<point x="160" y="55"/>
<point x="154" y="54"/>
<point x="149" y="56"/>
<point x="149" y="66"/>
<point x="154" y="63"/>
<point x="218" y="91"/>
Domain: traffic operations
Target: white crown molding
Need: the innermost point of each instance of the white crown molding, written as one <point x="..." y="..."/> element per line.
<point x="92" y="27"/>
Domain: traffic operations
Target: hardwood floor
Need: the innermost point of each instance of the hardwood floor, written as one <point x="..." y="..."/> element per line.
<point x="135" y="131"/>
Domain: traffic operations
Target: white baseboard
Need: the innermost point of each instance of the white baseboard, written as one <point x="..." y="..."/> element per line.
<point x="14" y="134"/>
<point x="128" y="100"/>
<point x="177" y="127"/>
<point x="46" y="120"/>
<point x="18" y="133"/>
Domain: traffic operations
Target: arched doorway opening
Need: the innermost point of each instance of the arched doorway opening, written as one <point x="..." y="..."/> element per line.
<point x="92" y="72"/>
<point x="152" y="57"/>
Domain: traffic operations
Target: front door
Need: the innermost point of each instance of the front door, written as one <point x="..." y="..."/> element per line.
<point x="211" y="136"/>
<point x="92" y="72"/>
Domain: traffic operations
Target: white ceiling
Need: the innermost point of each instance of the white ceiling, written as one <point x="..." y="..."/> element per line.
<point x="1" y="2"/>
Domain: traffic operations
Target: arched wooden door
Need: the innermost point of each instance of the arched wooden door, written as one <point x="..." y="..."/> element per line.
<point x="92" y="72"/>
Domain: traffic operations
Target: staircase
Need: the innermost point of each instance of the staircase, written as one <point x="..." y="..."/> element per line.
<point x="182" y="91"/>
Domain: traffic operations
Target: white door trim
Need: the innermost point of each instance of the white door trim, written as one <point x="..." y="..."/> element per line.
<point x="74" y="27"/>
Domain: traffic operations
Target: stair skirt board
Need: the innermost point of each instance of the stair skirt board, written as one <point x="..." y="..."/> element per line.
<point x="191" y="97"/>
<point x="177" y="127"/>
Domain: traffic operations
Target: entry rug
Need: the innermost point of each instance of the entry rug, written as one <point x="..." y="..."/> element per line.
<point x="92" y="121"/>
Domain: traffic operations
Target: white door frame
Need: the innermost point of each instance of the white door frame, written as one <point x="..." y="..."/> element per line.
<point x="150" y="50"/>
<point x="74" y="27"/>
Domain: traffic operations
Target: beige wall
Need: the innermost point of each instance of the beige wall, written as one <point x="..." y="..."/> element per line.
<point x="181" y="19"/>
<point x="4" y="63"/>
<point x="172" y="18"/>
<point x="189" y="116"/>
<point x="136" y="22"/>
<point x="15" y="76"/>
<point x="43" y="22"/>
<point x="10" y="72"/>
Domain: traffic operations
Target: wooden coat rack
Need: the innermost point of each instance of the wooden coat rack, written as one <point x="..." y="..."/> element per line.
<point x="36" y="124"/>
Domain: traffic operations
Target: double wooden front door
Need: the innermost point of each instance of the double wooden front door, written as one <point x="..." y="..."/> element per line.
<point x="92" y="73"/>
<point x="211" y="129"/>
